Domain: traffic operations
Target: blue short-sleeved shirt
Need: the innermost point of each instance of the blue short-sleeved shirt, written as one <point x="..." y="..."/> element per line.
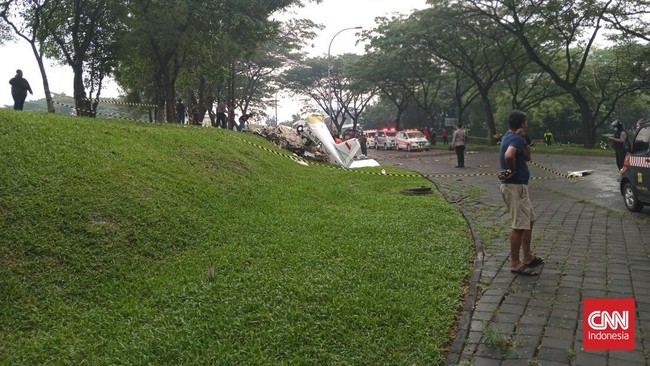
<point x="522" y="175"/>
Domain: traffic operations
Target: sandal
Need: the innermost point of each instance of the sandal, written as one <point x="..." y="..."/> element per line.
<point x="535" y="262"/>
<point x="524" y="271"/>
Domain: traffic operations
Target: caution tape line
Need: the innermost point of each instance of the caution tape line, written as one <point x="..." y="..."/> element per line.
<point x="97" y="113"/>
<point x="336" y="167"/>
<point x="109" y="101"/>
<point x="554" y="172"/>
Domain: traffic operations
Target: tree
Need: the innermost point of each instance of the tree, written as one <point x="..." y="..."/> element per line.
<point x="614" y="73"/>
<point x="31" y="14"/>
<point x="389" y="65"/>
<point x="309" y="79"/>
<point x="258" y="76"/>
<point x="352" y="92"/>
<point x="554" y="31"/>
<point x="327" y="90"/>
<point x="179" y="39"/>
<point x="630" y="20"/>
<point x="473" y="45"/>
<point x="83" y="34"/>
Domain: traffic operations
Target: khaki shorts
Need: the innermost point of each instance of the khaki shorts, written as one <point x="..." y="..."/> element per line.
<point x="517" y="199"/>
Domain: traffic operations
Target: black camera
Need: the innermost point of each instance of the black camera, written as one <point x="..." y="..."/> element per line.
<point x="504" y="174"/>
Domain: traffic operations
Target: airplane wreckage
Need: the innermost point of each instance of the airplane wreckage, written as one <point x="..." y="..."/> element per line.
<point x="310" y="137"/>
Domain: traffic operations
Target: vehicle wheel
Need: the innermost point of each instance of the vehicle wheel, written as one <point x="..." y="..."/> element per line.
<point x="408" y="148"/>
<point x="629" y="197"/>
<point x="385" y="146"/>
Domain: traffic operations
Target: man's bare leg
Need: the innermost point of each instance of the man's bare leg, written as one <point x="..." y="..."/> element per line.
<point x="516" y="240"/>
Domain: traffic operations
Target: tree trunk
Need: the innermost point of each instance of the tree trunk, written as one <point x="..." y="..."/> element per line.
<point x="159" y="97"/>
<point x="46" y="84"/>
<point x="489" y="114"/>
<point x="589" y="132"/>
<point x="82" y="104"/>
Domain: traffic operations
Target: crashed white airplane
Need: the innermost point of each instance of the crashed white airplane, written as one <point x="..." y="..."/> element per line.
<point x="343" y="153"/>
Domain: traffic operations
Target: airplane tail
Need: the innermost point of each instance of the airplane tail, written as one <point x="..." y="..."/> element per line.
<point x="348" y="149"/>
<point x="342" y="153"/>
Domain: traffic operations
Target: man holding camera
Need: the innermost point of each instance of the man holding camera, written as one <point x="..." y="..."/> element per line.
<point x="513" y="155"/>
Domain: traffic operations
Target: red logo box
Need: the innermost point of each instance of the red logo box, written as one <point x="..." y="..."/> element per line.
<point x="608" y="324"/>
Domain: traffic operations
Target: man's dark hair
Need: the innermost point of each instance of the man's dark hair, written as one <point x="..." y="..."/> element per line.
<point x="516" y="119"/>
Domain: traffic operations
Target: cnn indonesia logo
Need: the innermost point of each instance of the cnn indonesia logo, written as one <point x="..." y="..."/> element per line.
<point x="608" y="324"/>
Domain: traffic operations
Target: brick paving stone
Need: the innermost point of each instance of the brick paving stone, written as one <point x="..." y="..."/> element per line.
<point x="527" y="320"/>
<point x="553" y="355"/>
<point x="481" y="361"/>
<point x="627" y="358"/>
<point x="558" y="322"/>
<point x="482" y="315"/>
<point x="589" y="359"/>
<point x="555" y="342"/>
<point x="512" y="309"/>
<point x="485" y="351"/>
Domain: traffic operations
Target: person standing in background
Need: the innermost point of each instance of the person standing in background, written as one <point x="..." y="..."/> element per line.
<point x="548" y="137"/>
<point x="221" y="115"/>
<point x="619" y="139"/>
<point x="458" y="142"/>
<point x="363" y="141"/>
<point x="180" y="111"/>
<point x="19" y="88"/>
<point x="444" y="136"/>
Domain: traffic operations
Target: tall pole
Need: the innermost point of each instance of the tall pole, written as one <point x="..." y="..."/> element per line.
<point x="277" y="123"/>
<point x="329" y="73"/>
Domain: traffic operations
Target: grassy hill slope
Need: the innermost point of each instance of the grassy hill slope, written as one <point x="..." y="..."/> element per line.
<point x="108" y="227"/>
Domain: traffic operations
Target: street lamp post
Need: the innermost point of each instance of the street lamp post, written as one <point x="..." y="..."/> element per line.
<point x="277" y="123"/>
<point x="329" y="72"/>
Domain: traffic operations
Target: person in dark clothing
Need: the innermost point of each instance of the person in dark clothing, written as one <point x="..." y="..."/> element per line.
<point x="19" y="88"/>
<point x="196" y="116"/>
<point x="619" y="139"/>
<point x="242" y="121"/>
<point x="221" y="115"/>
<point x="180" y="111"/>
<point x="363" y="141"/>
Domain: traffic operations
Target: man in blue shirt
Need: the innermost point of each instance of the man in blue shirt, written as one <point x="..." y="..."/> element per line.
<point x="513" y="155"/>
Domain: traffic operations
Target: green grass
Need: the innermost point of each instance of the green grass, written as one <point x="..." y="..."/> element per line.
<point x="108" y="228"/>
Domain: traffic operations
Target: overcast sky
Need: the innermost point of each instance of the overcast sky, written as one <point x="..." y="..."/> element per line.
<point x="335" y="14"/>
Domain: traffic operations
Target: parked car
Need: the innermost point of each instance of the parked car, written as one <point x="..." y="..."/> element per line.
<point x="371" y="134"/>
<point x="635" y="174"/>
<point x="385" y="138"/>
<point x="411" y="139"/>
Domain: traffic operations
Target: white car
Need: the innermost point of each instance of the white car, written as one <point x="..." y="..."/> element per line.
<point x="385" y="138"/>
<point x="411" y="139"/>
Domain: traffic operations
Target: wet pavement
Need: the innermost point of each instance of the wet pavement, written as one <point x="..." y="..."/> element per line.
<point x="593" y="247"/>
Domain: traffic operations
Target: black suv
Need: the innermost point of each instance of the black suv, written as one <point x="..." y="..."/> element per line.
<point x="635" y="174"/>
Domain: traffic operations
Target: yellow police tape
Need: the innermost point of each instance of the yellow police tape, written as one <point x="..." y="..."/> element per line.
<point x="417" y="175"/>
<point x="97" y="113"/>
<point x="110" y="101"/>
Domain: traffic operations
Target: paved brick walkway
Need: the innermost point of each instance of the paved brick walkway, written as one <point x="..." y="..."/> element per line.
<point x="591" y="251"/>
